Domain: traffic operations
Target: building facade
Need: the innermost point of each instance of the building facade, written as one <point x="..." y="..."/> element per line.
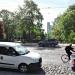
<point x="48" y="27"/>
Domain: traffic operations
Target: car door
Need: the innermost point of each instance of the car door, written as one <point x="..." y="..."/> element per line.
<point x="8" y="58"/>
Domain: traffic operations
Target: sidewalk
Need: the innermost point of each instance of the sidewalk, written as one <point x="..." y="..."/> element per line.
<point x="63" y="44"/>
<point x="30" y="44"/>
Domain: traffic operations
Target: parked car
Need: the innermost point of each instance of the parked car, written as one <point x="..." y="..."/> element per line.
<point x="49" y="42"/>
<point x="16" y="56"/>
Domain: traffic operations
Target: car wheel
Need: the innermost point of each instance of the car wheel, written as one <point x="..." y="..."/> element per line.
<point x="23" y="68"/>
<point x="40" y="45"/>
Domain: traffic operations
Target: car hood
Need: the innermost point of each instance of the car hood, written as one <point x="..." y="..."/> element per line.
<point x="33" y="55"/>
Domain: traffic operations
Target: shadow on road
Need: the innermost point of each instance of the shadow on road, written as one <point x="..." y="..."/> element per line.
<point x="34" y="45"/>
<point x="4" y="71"/>
<point x="43" y="48"/>
<point x="46" y="48"/>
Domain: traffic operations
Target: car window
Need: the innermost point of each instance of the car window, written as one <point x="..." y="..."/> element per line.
<point x="11" y="51"/>
<point x="46" y="41"/>
<point x="3" y="50"/>
<point x="7" y="51"/>
<point x="21" y="49"/>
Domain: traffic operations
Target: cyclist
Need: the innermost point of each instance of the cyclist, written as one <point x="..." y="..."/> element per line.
<point x="68" y="50"/>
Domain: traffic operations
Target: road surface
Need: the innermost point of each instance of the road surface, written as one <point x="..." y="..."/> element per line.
<point x="51" y="62"/>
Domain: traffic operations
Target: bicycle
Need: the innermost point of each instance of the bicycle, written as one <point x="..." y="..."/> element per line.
<point x="65" y="58"/>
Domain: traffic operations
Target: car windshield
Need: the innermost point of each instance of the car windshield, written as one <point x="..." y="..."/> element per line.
<point x="21" y="50"/>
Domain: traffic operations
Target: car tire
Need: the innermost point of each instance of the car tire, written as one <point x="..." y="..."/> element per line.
<point x="23" y="68"/>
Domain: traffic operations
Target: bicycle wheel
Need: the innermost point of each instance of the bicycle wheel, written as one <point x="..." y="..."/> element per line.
<point x="64" y="58"/>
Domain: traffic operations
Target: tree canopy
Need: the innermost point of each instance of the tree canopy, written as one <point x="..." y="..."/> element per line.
<point x="64" y="26"/>
<point x="26" y="23"/>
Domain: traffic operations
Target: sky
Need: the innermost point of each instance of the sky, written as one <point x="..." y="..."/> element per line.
<point x="50" y="9"/>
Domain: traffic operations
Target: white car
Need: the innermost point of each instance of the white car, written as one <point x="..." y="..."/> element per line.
<point x="15" y="56"/>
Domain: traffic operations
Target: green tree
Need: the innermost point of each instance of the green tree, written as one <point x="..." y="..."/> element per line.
<point x="64" y="25"/>
<point x="26" y="23"/>
<point x="7" y="17"/>
<point x="30" y="20"/>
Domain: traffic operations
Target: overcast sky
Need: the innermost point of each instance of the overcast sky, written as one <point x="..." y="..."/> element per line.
<point x="50" y="9"/>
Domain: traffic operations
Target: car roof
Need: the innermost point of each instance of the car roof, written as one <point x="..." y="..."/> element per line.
<point x="9" y="44"/>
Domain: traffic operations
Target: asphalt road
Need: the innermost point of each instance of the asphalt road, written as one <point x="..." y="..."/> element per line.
<point x="49" y="55"/>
